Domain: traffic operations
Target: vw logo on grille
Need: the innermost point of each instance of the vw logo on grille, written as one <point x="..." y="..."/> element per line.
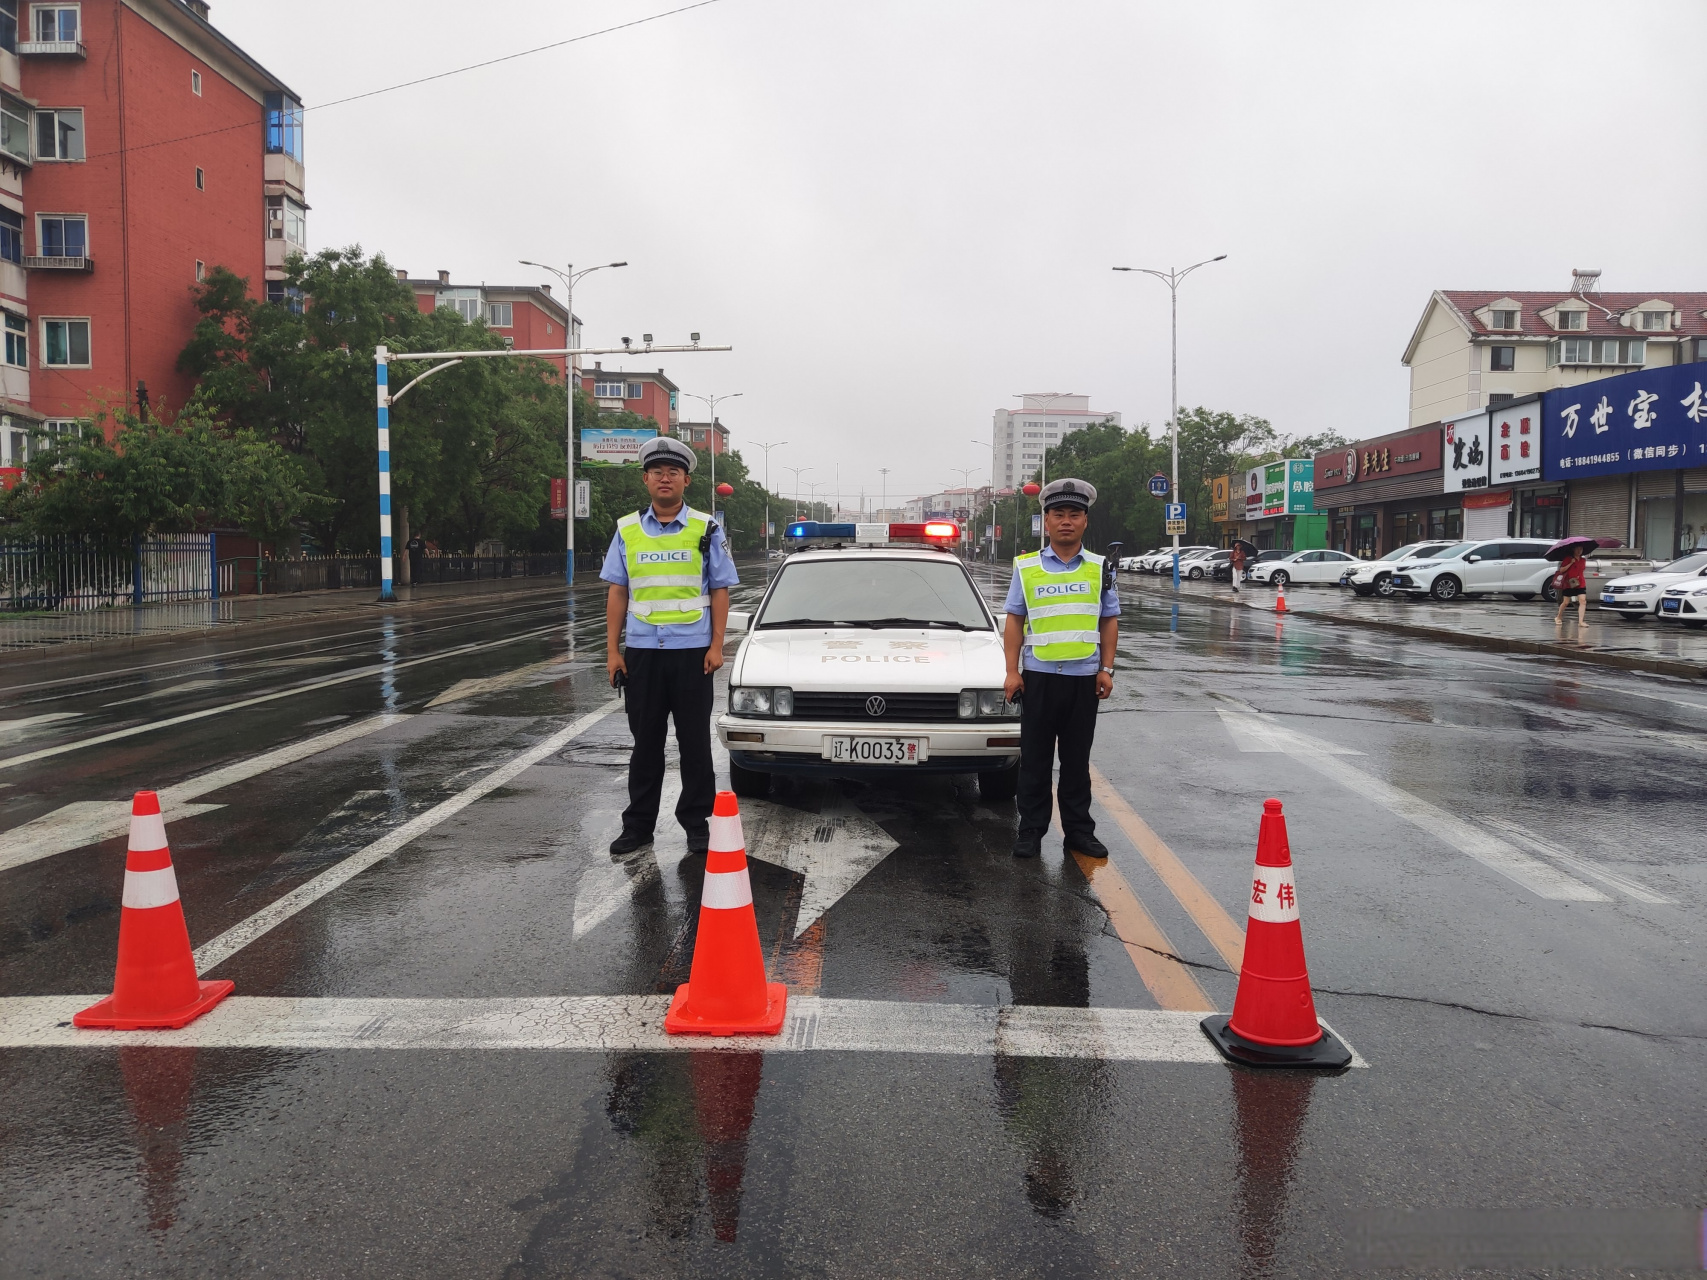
<point x="875" y="705"/>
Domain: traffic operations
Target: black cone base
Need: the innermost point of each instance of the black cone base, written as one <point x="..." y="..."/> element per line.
<point x="1327" y="1054"/>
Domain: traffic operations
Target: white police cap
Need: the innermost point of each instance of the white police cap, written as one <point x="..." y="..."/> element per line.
<point x="664" y="449"/>
<point x="1068" y="493"/>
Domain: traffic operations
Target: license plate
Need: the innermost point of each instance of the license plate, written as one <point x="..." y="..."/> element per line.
<point x="1606" y="597"/>
<point x="874" y="750"/>
<point x="1671" y="606"/>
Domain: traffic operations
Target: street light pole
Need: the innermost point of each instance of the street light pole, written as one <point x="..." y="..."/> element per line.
<point x="569" y="277"/>
<point x="711" y="405"/>
<point x="884" y="472"/>
<point x="767" y="448"/>
<point x="797" y="474"/>
<point x="1172" y="277"/>
<point x="992" y="495"/>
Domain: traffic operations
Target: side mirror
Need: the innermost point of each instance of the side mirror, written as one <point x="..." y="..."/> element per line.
<point x="738" y="622"/>
<point x="1473" y="559"/>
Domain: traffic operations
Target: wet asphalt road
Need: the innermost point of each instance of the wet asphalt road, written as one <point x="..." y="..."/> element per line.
<point x="1500" y="864"/>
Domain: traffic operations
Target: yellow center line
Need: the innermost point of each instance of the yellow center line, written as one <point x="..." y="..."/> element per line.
<point x="1169" y="981"/>
<point x="1223" y="932"/>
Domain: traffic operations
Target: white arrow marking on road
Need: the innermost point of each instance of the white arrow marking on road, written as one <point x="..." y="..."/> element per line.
<point x="607" y="883"/>
<point x="834" y="850"/>
<point x="1590" y="868"/>
<point x="492" y="684"/>
<point x="10" y="729"/>
<point x="1531" y="873"/>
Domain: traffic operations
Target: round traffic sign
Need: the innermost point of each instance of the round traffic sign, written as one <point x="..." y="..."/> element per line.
<point x="1159" y="485"/>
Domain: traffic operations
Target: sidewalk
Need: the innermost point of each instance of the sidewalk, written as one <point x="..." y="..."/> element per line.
<point x="132" y="622"/>
<point x="1502" y="626"/>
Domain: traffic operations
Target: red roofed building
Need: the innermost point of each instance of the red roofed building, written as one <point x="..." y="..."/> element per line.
<point x="1474" y="349"/>
<point x="526" y="314"/>
<point x="651" y="395"/>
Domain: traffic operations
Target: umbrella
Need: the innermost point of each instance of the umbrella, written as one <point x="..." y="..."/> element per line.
<point x="1250" y="548"/>
<point x="1563" y="548"/>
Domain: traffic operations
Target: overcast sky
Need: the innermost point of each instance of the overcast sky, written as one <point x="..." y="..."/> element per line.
<point x="900" y="213"/>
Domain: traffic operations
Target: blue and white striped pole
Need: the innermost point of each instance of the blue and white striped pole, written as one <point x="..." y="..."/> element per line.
<point x="380" y="356"/>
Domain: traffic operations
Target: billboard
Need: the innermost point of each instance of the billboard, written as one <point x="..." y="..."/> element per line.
<point x="614" y="444"/>
<point x="1650" y="420"/>
<point x="1274" y="489"/>
<point x="1379" y="459"/>
<point x="1218" y="497"/>
<point x="1253" y="493"/>
<point x="1466" y="463"/>
<point x="1300" y="486"/>
<point x="1514" y="440"/>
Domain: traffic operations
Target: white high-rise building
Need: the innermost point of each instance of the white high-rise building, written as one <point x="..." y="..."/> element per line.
<point x="1042" y="421"/>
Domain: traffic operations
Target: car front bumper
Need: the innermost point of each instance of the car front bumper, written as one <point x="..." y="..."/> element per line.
<point x="1622" y="603"/>
<point x="798" y="746"/>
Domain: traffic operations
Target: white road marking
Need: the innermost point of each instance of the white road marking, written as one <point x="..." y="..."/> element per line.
<point x="1540" y="844"/>
<point x="18" y="728"/>
<point x="607" y="884"/>
<point x="88" y="822"/>
<point x="1540" y="878"/>
<point x="379" y="669"/>
<point x="603" y="1024"/>
<point x="240" y="935"/>
<point x="834" y="850"/>
<point x="182" y="687"/>
<point x="491" y="684"/>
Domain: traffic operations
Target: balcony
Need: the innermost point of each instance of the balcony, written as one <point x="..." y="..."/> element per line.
<point x="53" y="48"/>
<point x="35" y="262"/>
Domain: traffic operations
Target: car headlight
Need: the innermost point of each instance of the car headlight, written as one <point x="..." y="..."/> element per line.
<point x="1699" y="591"/>
<point x="749" y="701"/>
<point x="989" y="704"/>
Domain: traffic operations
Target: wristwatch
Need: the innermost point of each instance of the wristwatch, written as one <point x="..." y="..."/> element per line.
<point x="1107" y="670"/>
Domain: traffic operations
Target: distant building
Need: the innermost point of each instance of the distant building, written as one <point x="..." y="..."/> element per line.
<point x="1478" y="349"/>
<point x="651" y="395"/>
<point x="527" y="314"/>
<point x="704" y="435"/>
<point x="947" y="504"/>
<point x="1042" y="421"/>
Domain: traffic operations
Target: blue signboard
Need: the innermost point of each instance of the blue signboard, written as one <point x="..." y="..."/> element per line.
<point x="1651" y="420"/>
<point x="1159" y="485"/>
<point x="1174" y="511"/>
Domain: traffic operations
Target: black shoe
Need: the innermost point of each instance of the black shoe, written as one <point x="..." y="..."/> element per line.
<point x="628" y="842"/>
<point x="699" y="842"/>
<point x="1028" y="846"/>
<point x="1090" y="846"/>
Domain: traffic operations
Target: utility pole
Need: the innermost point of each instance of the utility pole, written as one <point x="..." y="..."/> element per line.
<point x="797" y="474"/>
<point x="884" y="472"/>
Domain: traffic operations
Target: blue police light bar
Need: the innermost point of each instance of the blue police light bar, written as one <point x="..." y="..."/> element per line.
<point x="928" y="531"/>
<point x="818" y="529"/>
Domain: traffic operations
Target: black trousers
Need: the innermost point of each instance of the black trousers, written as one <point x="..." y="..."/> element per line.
<point x="665" y="683"/>
<point x="1057" y="712"/>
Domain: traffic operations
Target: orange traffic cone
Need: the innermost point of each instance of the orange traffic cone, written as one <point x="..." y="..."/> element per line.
<point x="156" y="983"/>
<point x="1274" y="1017"/>
<point x="726" y="993"/>
<point x="1280" y="597"/>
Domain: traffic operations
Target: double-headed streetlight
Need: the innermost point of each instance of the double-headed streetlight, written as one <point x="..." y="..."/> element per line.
<point x="798" y="472"/>
<point x="569" y="276"/>
<point x="1172" y="277"/>
<point x="711" y="406"/>
<point x="775" y="444"/>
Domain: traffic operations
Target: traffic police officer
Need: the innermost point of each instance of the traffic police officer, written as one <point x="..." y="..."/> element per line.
<point x="670" y="574"/>
<point x="1063" y="612"/>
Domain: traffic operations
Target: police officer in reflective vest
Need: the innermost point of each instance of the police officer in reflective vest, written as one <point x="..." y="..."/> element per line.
<point x="670" y="574"/>
<point x="1063" y="621"/>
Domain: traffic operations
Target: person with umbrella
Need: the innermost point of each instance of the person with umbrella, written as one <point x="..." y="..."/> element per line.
<point x="1243" y="553"/>
<point x="1571" y="580"/>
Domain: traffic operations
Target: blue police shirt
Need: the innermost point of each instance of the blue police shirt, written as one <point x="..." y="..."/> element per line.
<point x="719" y="572"/>
<point x="1015" y="605"/>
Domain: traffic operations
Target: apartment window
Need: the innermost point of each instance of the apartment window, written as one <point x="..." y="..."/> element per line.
<point x="279" y="293"/>
<point x="9" y="25"/>
<point x="17" y="341"/>
<point x="1497" y="398"/>
<point x="56" y="24"/>
<point x="501" y="315"/>
<point x="1505" y="319"/>
<point x="284" y="125"/>
<point x="196" y="83"/>
<point x="11" y="236"/>
<point x="287" y="220"/>
<point x="15" y="129"/>
<point x="467" y="303"/>
<point x="201" y="179"/>
<point x="1032" y="435"/>
<point x="1573" y="320"/>
<point x="63" y="235"/>
<point x="1601" y="351"/>
<point x="59" y="134"/>
<point x="1652" y="320"/>
<point x="65" y="343"/>
<point x="634" y="391"/>
<point x="201" y="270"/>
<point x="1502" y="359"/>
<point x="607" y="390"/>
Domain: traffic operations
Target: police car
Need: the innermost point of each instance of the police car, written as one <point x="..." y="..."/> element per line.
<point x="871" y="654"/>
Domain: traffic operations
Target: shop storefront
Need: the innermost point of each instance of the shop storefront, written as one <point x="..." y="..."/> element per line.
<point x="1385" y="492"/>
<point x="1280" y="509"/>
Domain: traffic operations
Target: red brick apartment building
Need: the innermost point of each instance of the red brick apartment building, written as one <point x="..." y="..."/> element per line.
<point x="651" y="395"/>
<point x="139" y="149"/>
<point x="526" y="314"/>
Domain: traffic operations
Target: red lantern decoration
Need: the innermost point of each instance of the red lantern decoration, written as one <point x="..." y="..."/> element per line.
<point x="724" y="490"/>
<point x="1031" y="489"/>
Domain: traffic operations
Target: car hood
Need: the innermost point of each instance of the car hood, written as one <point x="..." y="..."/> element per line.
<point x="926" y="660"/>
<point x="1653" y="580"/>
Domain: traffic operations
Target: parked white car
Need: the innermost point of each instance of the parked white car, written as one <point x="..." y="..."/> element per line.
<point x="1203" y="566"/>
<point x="1641" y="595"/>
<point x="870" y="660"/>
<point x="1375" y="577"/>
<point x="1685" y="603"/>
<point x="1516" y="567"/>
<point x="1303" y="566"/>
<point x="1163" y="561"/>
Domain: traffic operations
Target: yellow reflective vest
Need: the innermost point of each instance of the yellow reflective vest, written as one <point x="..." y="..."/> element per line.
<point x="1062" y="610"/>
<point x="666" y="573"/>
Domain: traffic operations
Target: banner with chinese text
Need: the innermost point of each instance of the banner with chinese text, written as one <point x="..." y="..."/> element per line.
<point x="1650" y="420"/>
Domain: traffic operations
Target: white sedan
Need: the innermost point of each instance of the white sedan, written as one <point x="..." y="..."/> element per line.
<point x="1642" y="595"/>
<point x="1304" y="566"/>
<point x="863" y="661"/>
<point x="1686" y="603"/>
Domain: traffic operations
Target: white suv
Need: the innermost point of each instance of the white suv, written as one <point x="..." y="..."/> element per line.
<point x="1499" y="566"/>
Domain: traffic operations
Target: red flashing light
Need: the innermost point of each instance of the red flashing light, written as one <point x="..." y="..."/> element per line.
<point x="942" y="529"/>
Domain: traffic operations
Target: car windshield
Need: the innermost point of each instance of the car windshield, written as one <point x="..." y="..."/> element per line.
<point x="1402" y="552"/>
<point x="1454" y="552"/>
<point x="873" y="593"/>
<point x="1691" y="563"/>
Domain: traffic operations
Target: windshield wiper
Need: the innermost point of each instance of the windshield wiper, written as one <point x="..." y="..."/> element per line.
<point x="921" y="622"/>
<point x="808" y="622"/>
